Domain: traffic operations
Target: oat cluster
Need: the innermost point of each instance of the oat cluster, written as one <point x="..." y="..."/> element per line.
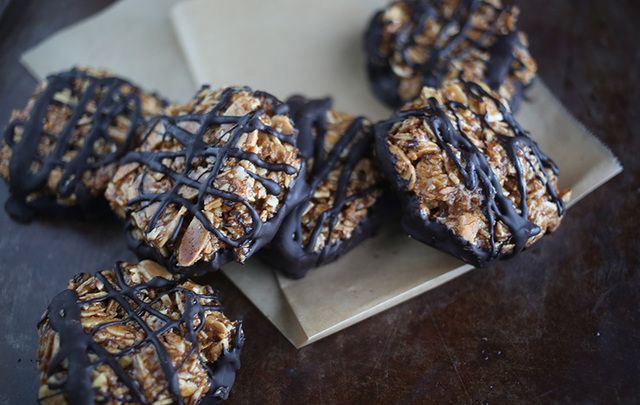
<point x="208" y="176"/>
<point x="429" y="173"/>
<point x="361" y="193"/>
<point x="84" y="121"/>
<point x="452" y="39"/>
<point x="125" y="366"/>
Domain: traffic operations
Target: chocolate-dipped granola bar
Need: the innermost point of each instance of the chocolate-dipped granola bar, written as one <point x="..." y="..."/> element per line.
<point x="343" y="204"/>
<point x="212" y="180"/>
<point x="136" y="334"/>
<point x="471" y="180"/>
<point x="58" y="153"/>
<point x="416" y="43"/>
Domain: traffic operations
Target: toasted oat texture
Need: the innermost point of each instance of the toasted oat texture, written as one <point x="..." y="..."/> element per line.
<point x="462" y="164"/>
<point x="416" y="43"/>
<point x="342" y="205"/>
<point x="211" y="181"/>
<point x="136" y="334"/>
<point x="58" y="153"/>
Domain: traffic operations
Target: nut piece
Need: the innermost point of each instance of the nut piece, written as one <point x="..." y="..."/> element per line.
<point x="412" y="44"/>
<point x="473" y="182"/>
<point x="211" y="180"/>
<point x="136" y="334"/>
<point x="341" y="207"/>
<point x="63" y="147"/>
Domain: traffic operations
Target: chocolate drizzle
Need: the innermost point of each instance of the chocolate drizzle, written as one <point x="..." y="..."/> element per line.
<point x="110" y="102"/>
<point x="443" y="51"/>
<point x="288" y="251"/>
<point x="76" y="344"/>
<point x="258" y="233"/>
<point x="476" y="174"/>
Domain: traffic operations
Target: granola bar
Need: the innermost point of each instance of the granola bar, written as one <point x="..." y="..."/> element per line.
<point x="211" y="181"/>
<point x="343" y="203"/>
<point x="58" y="153"/>
<point x="416" y="43"/>
<point x="471" y="180"/>
<point x="136" y="334"/>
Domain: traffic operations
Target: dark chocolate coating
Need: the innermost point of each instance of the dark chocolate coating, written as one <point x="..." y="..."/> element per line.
<point x="287" y="251"/>
<point x="476" y="173"/>
<point x="260" y="233"/>
<point x="24" y="181"/>
<point x="75" y="344"/>
<point x="385" y="82"/>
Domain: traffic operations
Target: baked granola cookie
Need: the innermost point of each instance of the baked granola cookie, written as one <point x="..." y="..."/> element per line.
<point x="136" y="334"/>
<point x="58" y="153"/>
<point x="471" y="180"/>
<point x="416" y="43"/>
<point x="343" y="203"/>
<point x="212" y="180"/>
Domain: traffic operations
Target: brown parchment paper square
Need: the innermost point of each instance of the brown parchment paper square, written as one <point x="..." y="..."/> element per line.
<point x="314" y="48"/>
